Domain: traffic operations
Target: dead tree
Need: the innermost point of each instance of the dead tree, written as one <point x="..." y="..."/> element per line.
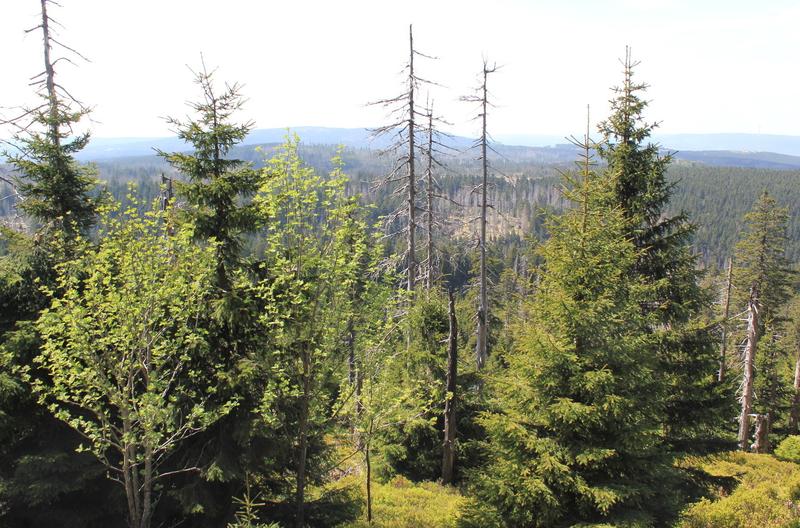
<point x="761" y="444"/>
<point x="481" y="97"/>
<point x="404" y="112"/>
<point x="433" y="150"/>
<point x="726" y="313"/>
<point x="751" y="344"/>
<point x="449" y="453"/>
<point x="794" y="415"/>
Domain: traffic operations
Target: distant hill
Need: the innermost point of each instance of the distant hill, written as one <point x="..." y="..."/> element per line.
<point x="745" y="143"/>
<point x="720" y="150"/>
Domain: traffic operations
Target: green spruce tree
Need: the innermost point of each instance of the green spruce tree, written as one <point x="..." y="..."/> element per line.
<point x="696" y="407"/>
<point x="43" y="482"/>
<point x="215" y="200"/>
<point x="575" y="437"/>
<point x="762" y="279"/>
<point x="216" y="184"/>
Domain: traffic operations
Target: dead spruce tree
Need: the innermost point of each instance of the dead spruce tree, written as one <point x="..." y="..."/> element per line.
<point x="448" y="445"/>
<point x="402" y="132"/>
<point x="726" y="314"/>
<point x="433" y="150"/>
<point x="481" y="97"/>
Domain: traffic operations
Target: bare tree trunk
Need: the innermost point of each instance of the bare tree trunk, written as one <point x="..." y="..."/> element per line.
<point x="369" y="477"/>
<point x="449" y="455"/>
<point x="429" y="196"/>
<point x="147" y="492"/>
<point x="352" y="370"/>
<point x="794" y="415"/>
<point x="723" y="353"/>
<point x="412" y="178"/>
<point x="761" y="445"/>
<point x="303" y="442"/>
<point x="481" y="352"/>
<point x="166" y="191"/>
<point x="52" y="95"/>
<point x="749" y="365"/>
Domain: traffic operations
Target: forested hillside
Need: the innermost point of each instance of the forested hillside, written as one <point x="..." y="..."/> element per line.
<point x="305" y="336"/>
<point x="715" y="198"/>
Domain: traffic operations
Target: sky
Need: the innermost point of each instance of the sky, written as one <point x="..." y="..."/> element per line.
<point x="712" y="65"/>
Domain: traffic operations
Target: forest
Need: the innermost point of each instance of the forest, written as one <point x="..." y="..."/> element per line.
<point x="299" y="335"/>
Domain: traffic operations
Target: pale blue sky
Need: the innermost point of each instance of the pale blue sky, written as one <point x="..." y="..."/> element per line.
<point x="713" y="66"/>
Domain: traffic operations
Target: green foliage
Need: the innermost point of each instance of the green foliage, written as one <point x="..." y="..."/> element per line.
<point x="575" y="437"/>
<point x="310" y="280"/>
<point x="127" y="362"/>
<point x="694" y="404"/>
<point x="216" y="183"/>
<point x="760" y="261"/>
<point x="400" y="503"/>
<point x="55" y="189"/>
<point x="789" y="449"/>
<point x="767" y="494"/>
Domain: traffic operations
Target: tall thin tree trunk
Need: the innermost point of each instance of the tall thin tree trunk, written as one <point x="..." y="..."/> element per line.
<point x="481" y="352"/>
<point x="412" y="178"/>
<point x="449" y="454"/>
<point x="147" y="492"/>
<point x="429" y="196"/>
<point x="723" y="352"/>
<point x="369" y="477"/>
<point x="303" y="442"/>
<point x="761" y="445"/>
<point x="52" y="95"/>
<point x="794" y="415"/>
<point x="749" y="365"/>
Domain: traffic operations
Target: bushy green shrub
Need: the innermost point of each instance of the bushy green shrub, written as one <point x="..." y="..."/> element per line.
<point x="401" y="503"/>
<point x="789" y="449"/>
<point x="768" y="494"/>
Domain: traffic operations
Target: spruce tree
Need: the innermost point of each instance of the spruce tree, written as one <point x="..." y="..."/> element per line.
<point x="762" y="279"/>
<point x="695" y="405"/>
<point x="575" y="437"/>
<point x="43" y="482"/>
<point x="215" y="200"/>
<point x="216" y="184"/>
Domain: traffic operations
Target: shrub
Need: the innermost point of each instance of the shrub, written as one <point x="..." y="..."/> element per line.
<point x="766" y="497"/>
<point x="789" y="449"/>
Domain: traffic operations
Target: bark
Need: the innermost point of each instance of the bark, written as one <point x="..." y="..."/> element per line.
<point x="429" y="196"/>
<point x="50" y="82"/>
<point x="749" y="365"/>
<point x="761" y="445"/>
<point x="412" y="189"/>
<point x="723" y="353"/>
<point x="147" y="492"/>
<point x="369" y="481"/>
<point x="483" y="309"/>
<point x="303" y="442"/>
<point x="794" y="415"/>
<point x="352" y="367"/>
<point x="449" y="455"/>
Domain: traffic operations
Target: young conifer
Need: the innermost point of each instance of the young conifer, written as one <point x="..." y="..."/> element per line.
<point x="695" y="405"/>
<point x="576" y="435"/>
